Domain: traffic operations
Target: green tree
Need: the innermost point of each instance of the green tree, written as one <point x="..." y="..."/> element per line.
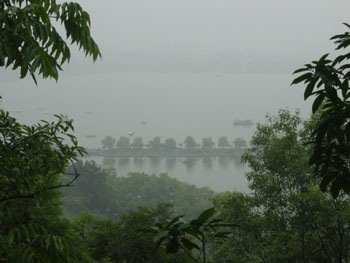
<point x="240" y="143"/>
<point x="32" y="158"/>
<point x="327" y="80"/>
<point x="138" y="189"/>
<point x="90" y="193"/>
<point x="286" y="218"/>
<point x="170" y="144"/>
<point x="190" y="143"/>
<point x="207" y="143"/>
<point x="155" y="143"/>
<point x="123" y="143"/>
<point x="138" y="143"/>
<point x="223" y="142"/>
<point x="30" y="41"/>
<point x="108" y="143"/>
<point x="246" y="244"/>
<point x="102" y="193"/>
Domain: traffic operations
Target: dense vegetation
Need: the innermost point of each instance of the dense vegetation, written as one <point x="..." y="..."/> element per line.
<point x="103" y="193"/>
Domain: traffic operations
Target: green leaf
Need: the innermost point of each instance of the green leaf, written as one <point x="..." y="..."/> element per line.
<point x="310" y="88"/>
<point x="172" y="246"/>
<point x="305" y="77"/>
<point x="336" y="186"/>
<point x="317" y="103"/>
<point x="205" y="215"/>
<point x="301" y="70"/>
<point x="188" y="244"/>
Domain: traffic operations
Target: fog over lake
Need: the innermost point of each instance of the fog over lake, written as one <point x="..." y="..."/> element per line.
<point x="172" y="104"/>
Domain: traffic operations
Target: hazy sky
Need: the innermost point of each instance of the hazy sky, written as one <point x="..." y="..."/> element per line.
<point x="215" y="25"/>
<point x="209" y="35"/>
<point x="195" y="29"/>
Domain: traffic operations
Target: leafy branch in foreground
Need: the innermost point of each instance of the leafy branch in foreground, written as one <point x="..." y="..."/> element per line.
<point x="29" y="39"/>
<point x="32" y="160"/>
<point x="193" y="236"/>
<point x="32" y="157"/>
<point x="328" y="81"/>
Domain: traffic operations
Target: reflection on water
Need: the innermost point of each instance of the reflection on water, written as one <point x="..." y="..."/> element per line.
<point x="218" y="173"/>
<point x="190" y="163"/>
<point x="208" y="163"/>
<point x="155" y="162"/>
<point x="109" y="162"/>
<point x="238" y="162"/>
<point x="223" y="161"/>
<point x="123" y="161"/>
<point x="138" y="162"/>
<point x="170" y="163"/>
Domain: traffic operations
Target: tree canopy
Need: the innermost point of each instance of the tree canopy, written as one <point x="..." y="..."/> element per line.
<point x="208" y="143"/>
<point x="190" y="143"/>
<point x="285" y="218"/>
<point x="224" y="142"/>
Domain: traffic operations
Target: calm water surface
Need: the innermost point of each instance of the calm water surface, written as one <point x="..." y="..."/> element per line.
<point x="218" y="173"/>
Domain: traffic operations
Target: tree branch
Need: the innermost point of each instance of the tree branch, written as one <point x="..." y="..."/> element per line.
<point x="32" y="195"/>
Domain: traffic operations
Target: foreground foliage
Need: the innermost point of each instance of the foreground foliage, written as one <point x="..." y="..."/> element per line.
<point x="327" y="80"/>
<point x="194" y="237"/>
<point x="31" y="161"/>
<point x="106" y="240"/>
<point x="30" y="40"/>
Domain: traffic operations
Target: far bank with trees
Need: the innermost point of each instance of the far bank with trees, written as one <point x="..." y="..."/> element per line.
<point x="156" y="147"/>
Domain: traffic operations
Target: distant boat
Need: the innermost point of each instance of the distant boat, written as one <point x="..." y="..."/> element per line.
<point x="48" y="113"/>
<point x="243" y="123"/>
<point x="132" y="132"/>
<point x="89" y="112"/>
<point x="143" y="122"/>
<point x="90" y="136"/>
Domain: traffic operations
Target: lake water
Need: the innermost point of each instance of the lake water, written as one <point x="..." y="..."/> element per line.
<point x="218" y="173"/>
<point x="159" y="104"/>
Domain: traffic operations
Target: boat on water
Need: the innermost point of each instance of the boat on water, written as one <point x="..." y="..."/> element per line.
<point x="132" y="132"/>
<point x="90" y="136"/>
<point x="243" y="123"/>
